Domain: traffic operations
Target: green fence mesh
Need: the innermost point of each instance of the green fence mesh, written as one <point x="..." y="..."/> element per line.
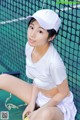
<point x="13" y="37"/>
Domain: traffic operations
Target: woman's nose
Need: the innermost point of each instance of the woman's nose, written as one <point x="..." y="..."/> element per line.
<point x="33" y="33"/>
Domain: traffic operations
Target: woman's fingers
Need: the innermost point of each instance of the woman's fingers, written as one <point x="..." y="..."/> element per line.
<point x="25" y="114"/>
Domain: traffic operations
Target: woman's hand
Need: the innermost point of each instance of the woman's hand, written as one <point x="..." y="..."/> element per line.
<point x="29" y="109"/>
<point x="32" y="115"/>
<point x="35" y="113"/>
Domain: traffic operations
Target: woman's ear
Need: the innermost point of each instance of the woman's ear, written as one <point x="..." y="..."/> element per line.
<point x="51" y="38"/>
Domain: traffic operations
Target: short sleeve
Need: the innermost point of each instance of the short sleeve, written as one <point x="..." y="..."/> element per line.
<point x="58" y="71"/>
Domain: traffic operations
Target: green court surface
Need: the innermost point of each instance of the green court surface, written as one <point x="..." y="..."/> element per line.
<point x="13" y="38"/>
<point x="14" y="113"/>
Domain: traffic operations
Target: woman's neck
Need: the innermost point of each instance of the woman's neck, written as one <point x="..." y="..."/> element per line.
<point x="41" y="50"/>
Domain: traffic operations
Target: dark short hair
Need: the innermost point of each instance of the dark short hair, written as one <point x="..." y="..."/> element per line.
<point x="51" y="32"/>
<point x="32" y="20"/>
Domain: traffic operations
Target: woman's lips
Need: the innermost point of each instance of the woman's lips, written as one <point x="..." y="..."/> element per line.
<point x="31" y="41"/>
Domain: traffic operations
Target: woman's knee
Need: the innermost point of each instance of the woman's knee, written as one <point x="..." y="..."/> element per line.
<point x="3" y="76"/>
<point x="3" y="79"/>
<point x="50" y="113"/>
<point x="45" y="114"/>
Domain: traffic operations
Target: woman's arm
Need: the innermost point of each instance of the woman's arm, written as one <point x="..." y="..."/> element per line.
<point x="63" y="91"/>
<point x="31" y="106"/>
<point x="34" y="94"/>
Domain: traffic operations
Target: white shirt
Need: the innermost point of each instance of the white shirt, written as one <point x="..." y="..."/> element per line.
<point x="49" y="71"/>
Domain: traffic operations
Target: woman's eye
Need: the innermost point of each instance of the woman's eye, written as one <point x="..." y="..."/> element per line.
<point x="40" y="31"/>
<point x="31" y="27"/>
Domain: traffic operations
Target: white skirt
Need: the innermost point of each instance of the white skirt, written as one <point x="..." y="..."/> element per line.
<point x="66" y="105"/>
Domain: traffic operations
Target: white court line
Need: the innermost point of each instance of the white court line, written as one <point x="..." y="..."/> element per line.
<point x="66" y="8"/>
<point x="13" y="20"/>
<point x="23" y="18"/>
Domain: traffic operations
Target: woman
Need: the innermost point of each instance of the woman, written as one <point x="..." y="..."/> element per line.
<point x="49" y="97"/>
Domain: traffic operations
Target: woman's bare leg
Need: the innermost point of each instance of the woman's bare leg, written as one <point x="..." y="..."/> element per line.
<point x="49" y="113"/>
<point x="16" y="86"/>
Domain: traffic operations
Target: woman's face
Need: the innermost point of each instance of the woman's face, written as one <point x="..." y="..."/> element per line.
<point x="37" y="36"/>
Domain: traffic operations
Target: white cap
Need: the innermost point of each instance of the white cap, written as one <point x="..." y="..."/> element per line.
<point x="47" y="19"/>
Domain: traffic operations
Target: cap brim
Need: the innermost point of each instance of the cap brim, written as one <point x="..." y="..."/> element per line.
<point x="40" y="21"/>
<point x="44" y="24"/>
<point x="28" y="18"/>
